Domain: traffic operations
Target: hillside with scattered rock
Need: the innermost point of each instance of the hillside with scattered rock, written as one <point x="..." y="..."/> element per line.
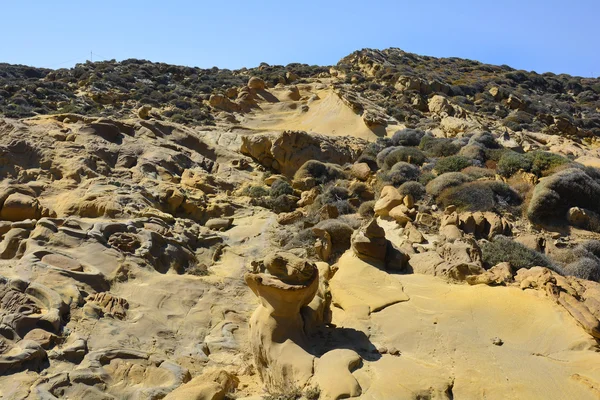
<point x="394" y="226"/>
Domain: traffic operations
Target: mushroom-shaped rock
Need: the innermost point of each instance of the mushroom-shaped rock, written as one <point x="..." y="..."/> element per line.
<point x="256" y="83"/>
<point x="277" y="338"/>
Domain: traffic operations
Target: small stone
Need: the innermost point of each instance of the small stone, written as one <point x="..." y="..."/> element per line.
<point x="394" y="351"/>
<point x="383" y="350"/>
<point x="497" y="341"/>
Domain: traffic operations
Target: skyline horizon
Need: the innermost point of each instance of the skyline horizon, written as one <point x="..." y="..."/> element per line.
<point x="83" y="60"/>
<point x="542" y="36"/>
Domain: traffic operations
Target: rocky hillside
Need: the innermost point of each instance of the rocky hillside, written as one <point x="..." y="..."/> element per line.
<point x="392" y="227"/>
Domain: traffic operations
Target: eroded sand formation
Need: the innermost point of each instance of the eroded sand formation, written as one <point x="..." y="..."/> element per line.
<point x="145" y="259"/>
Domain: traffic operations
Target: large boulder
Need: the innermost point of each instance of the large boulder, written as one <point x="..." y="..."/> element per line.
<point x="286" y="152"/>
<point x="439" y="104"/>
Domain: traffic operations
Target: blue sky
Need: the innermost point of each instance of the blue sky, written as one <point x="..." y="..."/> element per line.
<point x="555" y="36"/>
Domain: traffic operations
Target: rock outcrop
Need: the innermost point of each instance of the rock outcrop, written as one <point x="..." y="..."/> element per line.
<point x="288" y="151"/>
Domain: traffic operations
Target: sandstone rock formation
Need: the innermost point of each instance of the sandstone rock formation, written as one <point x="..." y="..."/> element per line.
<point x="393" y="263"/>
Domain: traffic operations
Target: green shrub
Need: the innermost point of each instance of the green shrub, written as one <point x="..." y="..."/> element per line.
<point x="536" y="162"/>
<point x="445" y="181"/>
<point x="426" y="177"/>
<point x="321" y="172"/>
<point x="542" y="161"/>
<point x="407" y="154"/>
<point x="416" y="189"/>
<point x="511" y="162"/>
<point x="452" y="164"/>
<point x="495" y="154"/>
<point x="280" y="187"/>
<point x="438" y="147"/>
<point x="255" y="191"/>
<point x="503" y="249"/>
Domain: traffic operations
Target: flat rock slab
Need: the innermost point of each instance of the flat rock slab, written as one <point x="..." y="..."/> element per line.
<point x="358" y="283"/>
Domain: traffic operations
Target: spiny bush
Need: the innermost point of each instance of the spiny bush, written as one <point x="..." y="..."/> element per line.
<point x="536" y="162"/>
<point x="407" y="154"/>
<point x="478" y="172"/>
<point x="426" y="177"/>
<point x="366" y="209"/>
<point x="584" y="261"/>
<point x="407" y="137"/>
<point x="542" y="161"/>
<point x="503" y="249"/>
<point x="584" y="268"/>
<point x="415" y="189"/>
<point x="280" y="187"/>
<point x="255" y="191"/>
<point x="401" y="172"/>
<point x="452" y="164"/>
<point x="485" y="139"/>
<point x="340" y="234"/>
<point x="511" y="162"/>
<point x="438" y="147"/>
<point x="479" y="196"/>
<point x="473" y="152"/>
<point x="445" y="181"/>
<point x="554" y="195"/>
<point x="321" y="172"/>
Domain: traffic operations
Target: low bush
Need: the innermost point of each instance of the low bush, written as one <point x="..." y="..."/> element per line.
<point x="407" y="137"/>
<point x="255" y="191"/>
<point x="554" y="195"/>
<point x="366" y="209"/>
<point x="511" y="162"/>
<point x="283" y="203"/>
<point x="426" y="177"/>
<point x="406" y="154"/>
<point x="452" y="164"/>
<point x="536" y="162"/>
<point x="479" y="196"/>
<point x="485" y="139"/>
<point x="280" y="187"/>
<point x="340" y="234"/>
<point x="321" y="172"/>
<point x="542" y="161"/>
<point x="584" y="268"/>
<point x="503" y="249"/>
<point x="473" y="152"/>
<point x="400" y="173"/>
<point x="415" y="189"/>
<point x="445" y="181"/>
<point x="438" y="147"/>
<point x="478" y="172"/>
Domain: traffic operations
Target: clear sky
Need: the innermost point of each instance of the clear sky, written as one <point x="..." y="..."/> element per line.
<point x="556" y="36"/>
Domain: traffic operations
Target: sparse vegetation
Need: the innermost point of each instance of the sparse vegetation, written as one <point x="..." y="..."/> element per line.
<point x="503" y="249"/>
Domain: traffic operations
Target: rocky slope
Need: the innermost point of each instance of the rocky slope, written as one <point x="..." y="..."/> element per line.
<point x="395" y="226"/>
